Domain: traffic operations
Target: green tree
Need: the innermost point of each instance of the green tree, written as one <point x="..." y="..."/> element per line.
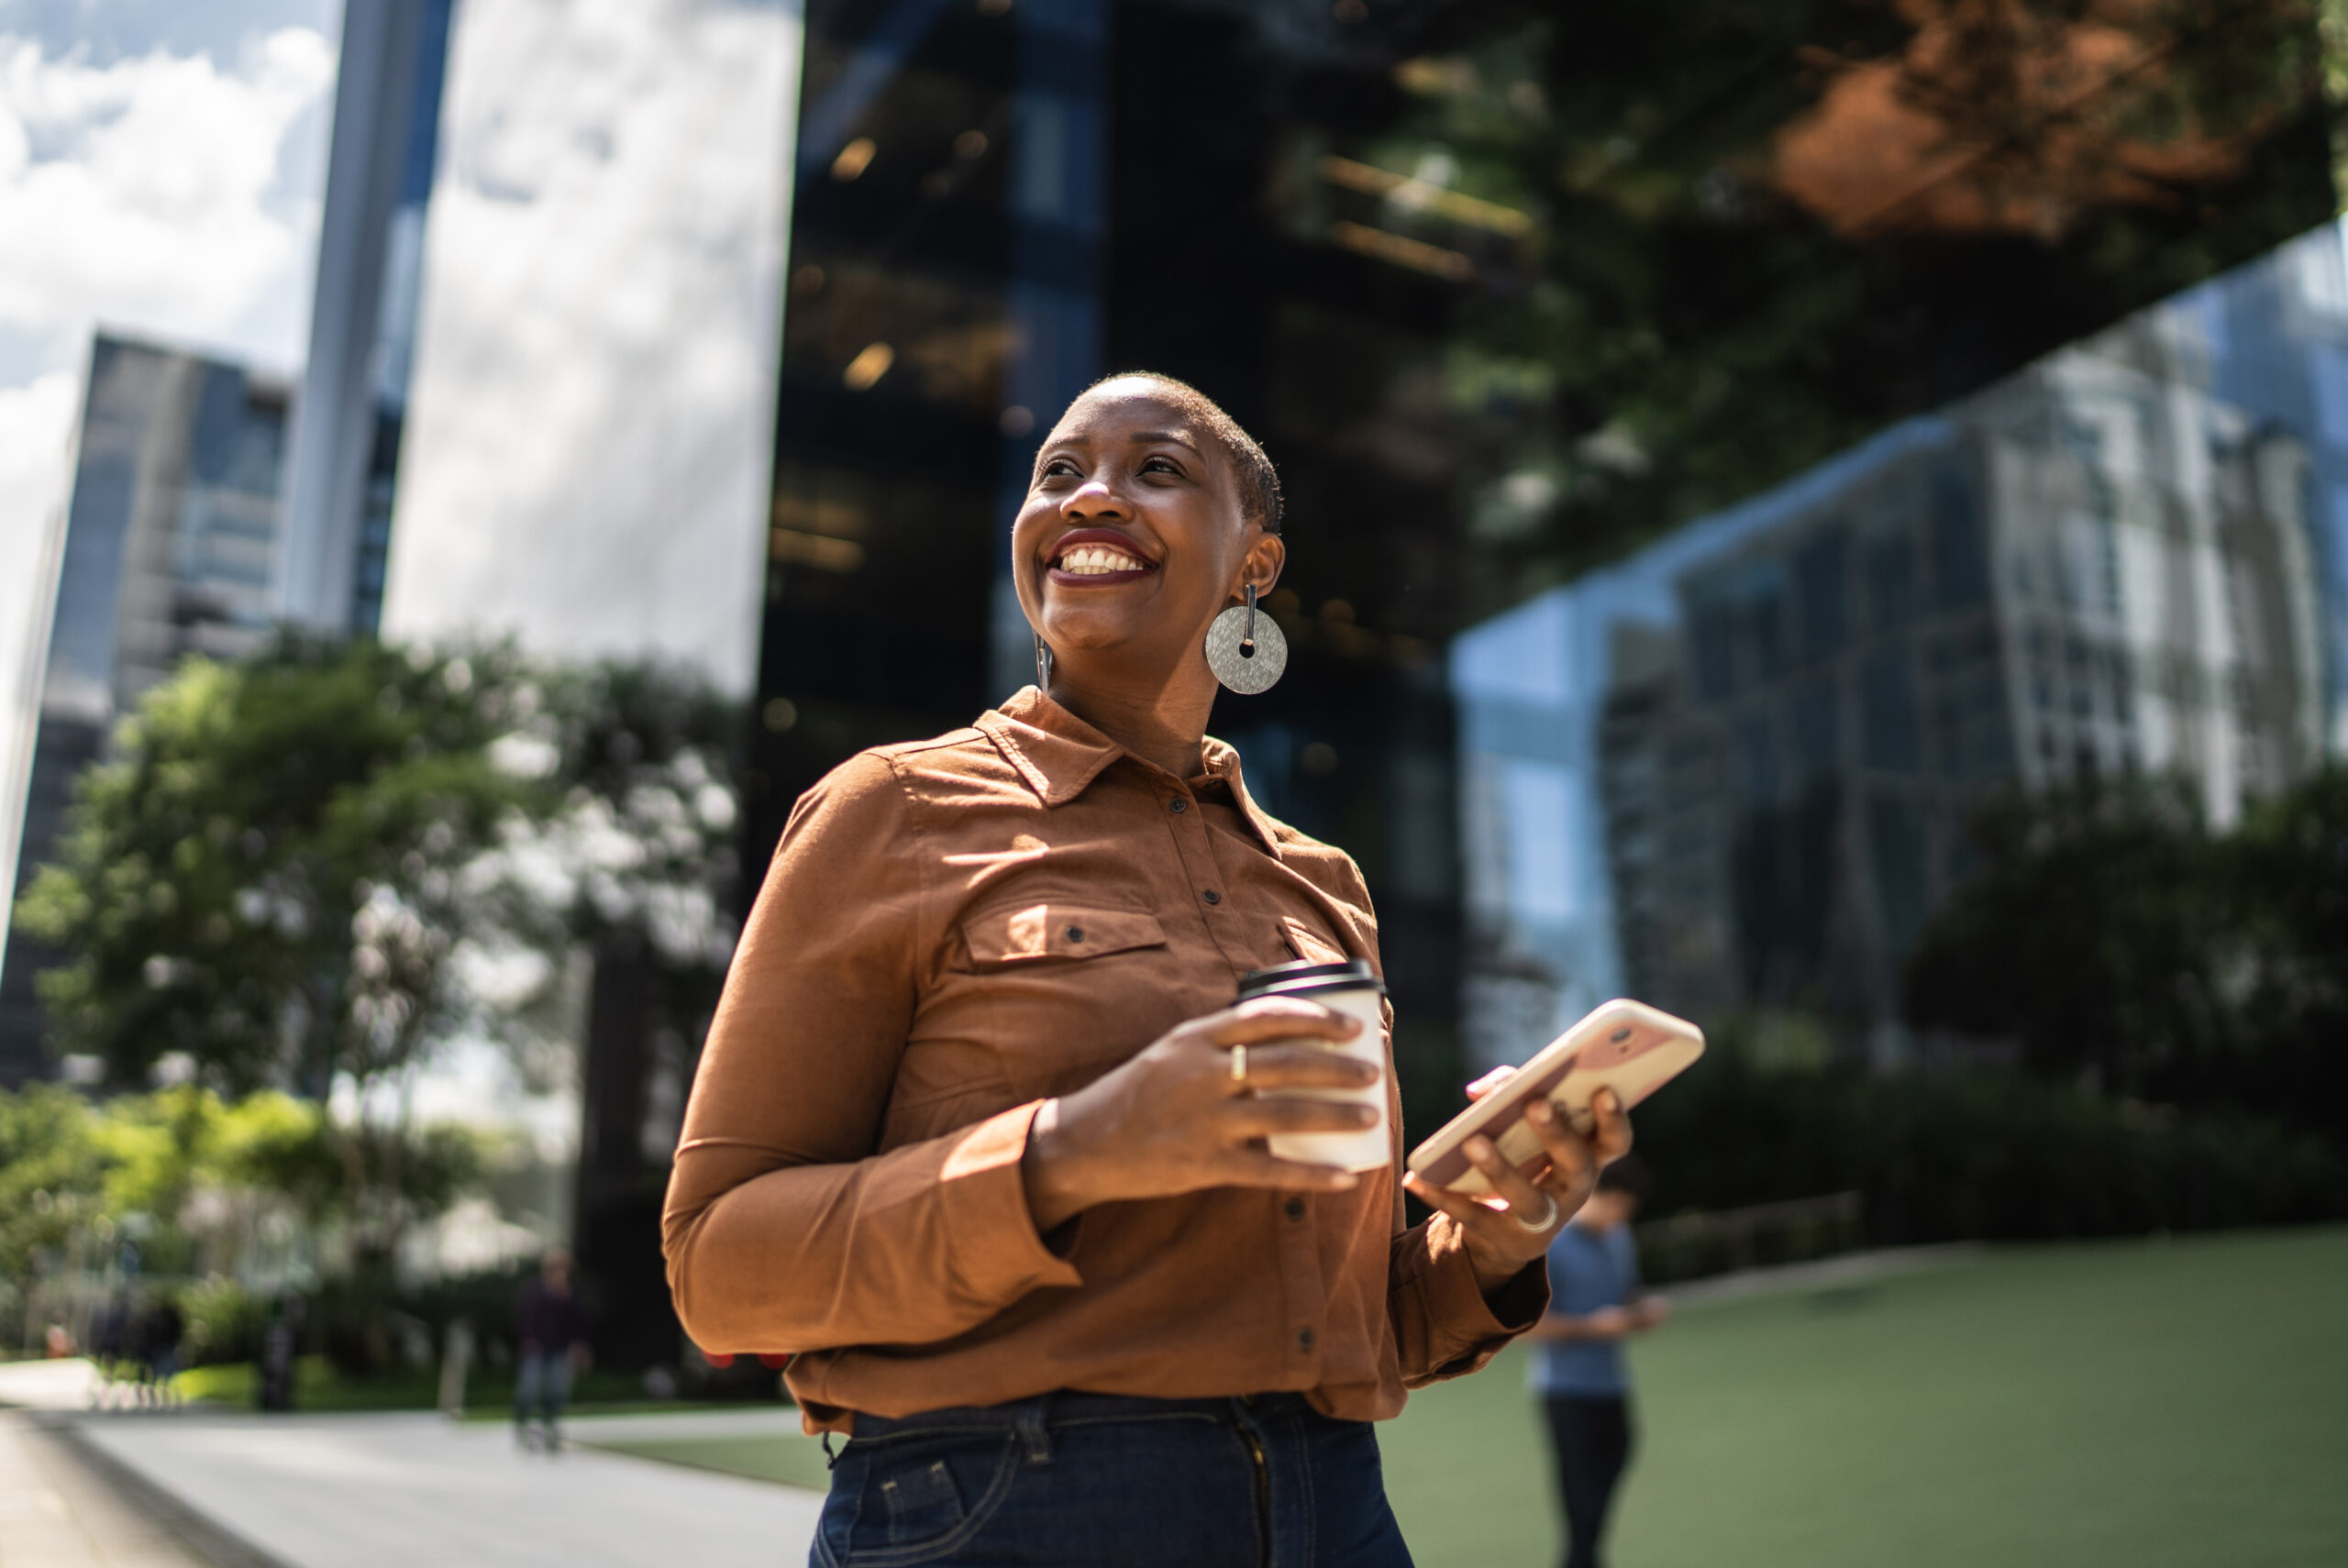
<point x="265" y="877"/>
<point x="1715" y="243"/>
<point x="52" y="1170"/>
<point x="2115" y="938"/>
<point x="2095" y="933"/>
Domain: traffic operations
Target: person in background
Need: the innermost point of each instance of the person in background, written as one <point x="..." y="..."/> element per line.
<point x="165" y="1327"/>
<point x="551" y="1333"/>
<point x="1595" y="1303"/>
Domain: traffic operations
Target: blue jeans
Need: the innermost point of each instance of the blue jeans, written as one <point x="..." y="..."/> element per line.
<point x="541" y="1384"/>
<point x="1095" y="1481"/>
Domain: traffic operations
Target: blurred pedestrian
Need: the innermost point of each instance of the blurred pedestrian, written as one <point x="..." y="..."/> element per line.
<point x="281" y="1347"/>
<point x="551" y="1333"/>
<point x="1595" y="1303"/>
<point x="165" y="1327"/>
<point x="109" y="1330"/>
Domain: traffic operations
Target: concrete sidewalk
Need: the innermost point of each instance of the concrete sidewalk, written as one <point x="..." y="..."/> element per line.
<point x="399" y="1491"/>
<point x="56" y="1511"/>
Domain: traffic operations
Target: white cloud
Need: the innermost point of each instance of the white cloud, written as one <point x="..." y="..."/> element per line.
<point x="590" y="433"/>
<point x="145" y="195"/>
<point x="140" y="193"/>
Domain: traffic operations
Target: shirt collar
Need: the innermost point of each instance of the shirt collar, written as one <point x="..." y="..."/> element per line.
<point x="1059" y="756"/>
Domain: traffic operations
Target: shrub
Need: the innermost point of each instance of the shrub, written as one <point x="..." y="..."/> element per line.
<point x="1985" y="1157"/>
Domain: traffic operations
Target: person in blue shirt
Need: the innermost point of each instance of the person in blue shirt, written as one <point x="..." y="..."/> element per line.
<point x="1595" y="1303"/>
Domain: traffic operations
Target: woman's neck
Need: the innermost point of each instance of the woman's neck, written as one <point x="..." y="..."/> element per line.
<point x="1162" y="724"/>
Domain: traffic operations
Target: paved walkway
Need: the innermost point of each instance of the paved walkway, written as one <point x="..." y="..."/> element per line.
<point x="401" y="1490"/>
<point x="200" y="1488"/>
<point x="57" y="1512"/>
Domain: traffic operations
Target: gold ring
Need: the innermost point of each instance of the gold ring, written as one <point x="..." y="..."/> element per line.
<point x="1548" y="1218"/>
<point x="1239" y="1065"/>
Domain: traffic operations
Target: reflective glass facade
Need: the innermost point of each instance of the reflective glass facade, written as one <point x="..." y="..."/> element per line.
<point x="172" y="541"/>
<point x="1687" y="518"/>
<point x="1752" y="747"/>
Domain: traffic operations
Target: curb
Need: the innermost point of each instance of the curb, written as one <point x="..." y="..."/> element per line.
<point x="188" y="1529"/>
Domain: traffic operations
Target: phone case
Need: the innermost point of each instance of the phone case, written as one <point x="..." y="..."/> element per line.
<point x="1627" y="1047"/>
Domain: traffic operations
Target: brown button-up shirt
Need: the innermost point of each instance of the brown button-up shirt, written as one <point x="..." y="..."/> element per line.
<point x="952" y="932"/>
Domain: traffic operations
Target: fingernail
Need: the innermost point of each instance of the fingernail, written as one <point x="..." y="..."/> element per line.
<point x="1539" y="1113"/>
<point x="1363" y="1115"/>
<point x="1479" y="1147"/>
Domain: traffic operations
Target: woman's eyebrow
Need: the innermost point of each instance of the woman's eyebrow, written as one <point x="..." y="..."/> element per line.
<point x="1168" y="436"/>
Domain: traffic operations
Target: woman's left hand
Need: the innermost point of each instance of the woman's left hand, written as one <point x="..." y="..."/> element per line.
<point x="1497" y="1227"/>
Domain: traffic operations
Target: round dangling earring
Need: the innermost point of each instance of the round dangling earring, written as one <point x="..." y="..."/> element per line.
<point x="1042" y="665"/>
<point x="1247" y="652"/>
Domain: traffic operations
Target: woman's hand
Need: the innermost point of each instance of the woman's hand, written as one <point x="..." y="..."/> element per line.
<point x="1496" y="1228"/>
<point x="1175" y="1120"/>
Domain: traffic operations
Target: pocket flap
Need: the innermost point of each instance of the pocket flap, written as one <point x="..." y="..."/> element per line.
<point x="1047" y="930"/>
<point x="1310" y="945"/>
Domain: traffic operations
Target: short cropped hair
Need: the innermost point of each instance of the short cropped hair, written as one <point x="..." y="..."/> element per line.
<point x="1626" y="1176"/>
<point x="1259" y="482"/>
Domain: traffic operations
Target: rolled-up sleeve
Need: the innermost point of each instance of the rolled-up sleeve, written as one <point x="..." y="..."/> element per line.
<point x="784" y="1231"/>
<point x="1444" y="1326"/>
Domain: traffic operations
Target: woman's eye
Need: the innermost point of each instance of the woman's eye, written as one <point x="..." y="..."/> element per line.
<point x="1161" y="466"/>
<point x="1059" y="468"/>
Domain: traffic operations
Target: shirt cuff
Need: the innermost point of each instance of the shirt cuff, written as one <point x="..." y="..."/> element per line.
<point x="983" y="1199"/>
<point x="1470" y="1328"/>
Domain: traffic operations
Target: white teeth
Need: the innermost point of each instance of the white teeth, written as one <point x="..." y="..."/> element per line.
<point x="1090" y="560"/>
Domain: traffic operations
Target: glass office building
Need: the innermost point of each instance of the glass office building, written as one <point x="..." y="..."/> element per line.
<point x="171" y="548"/>
<point x="1686" y="515"/>
<point x="343" y="457"/>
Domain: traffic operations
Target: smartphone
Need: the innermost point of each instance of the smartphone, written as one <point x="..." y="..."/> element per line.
<point x="1627" y="1046"/>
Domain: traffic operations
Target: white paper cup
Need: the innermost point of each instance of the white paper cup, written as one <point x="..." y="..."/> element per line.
<point x="1352" y="990"/>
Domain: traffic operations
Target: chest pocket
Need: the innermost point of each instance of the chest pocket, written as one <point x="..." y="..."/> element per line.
<point x="1310" y="945"/>
<point x="1055" y="931"/>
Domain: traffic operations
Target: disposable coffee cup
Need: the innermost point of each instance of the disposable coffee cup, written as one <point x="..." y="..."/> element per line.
<point x="1352" y="990"/>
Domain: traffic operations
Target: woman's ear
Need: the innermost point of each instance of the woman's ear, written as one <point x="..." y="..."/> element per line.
<point x="1265" y="556"/>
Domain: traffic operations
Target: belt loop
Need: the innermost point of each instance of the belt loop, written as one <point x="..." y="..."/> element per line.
<point x="1033" y="1437"/>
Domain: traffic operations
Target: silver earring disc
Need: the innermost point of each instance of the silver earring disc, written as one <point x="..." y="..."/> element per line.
<point x="1244" y="674"/>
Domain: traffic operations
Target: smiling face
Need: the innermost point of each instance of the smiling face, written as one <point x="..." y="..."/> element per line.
<point x="1133" y="536"/>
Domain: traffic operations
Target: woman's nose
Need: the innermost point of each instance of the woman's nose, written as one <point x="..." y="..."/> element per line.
<point x="1093" y="499"/>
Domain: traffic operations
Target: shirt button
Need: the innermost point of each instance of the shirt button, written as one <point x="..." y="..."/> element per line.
<point x="1211" y="897"/>
<point x="1076" y="934"/>
<point x="1294" y="1208"/>
<point x="1304" y="1338"/>
<point x="1178" y="805"/>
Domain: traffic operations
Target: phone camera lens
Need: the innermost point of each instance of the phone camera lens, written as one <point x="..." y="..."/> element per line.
<point x="1622" y="1034"/>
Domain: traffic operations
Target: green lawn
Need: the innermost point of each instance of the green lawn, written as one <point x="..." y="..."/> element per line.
<point x="2149" y="1404"/>
<point x="2144" y="1403"/>
<point x="319" y="1389"/>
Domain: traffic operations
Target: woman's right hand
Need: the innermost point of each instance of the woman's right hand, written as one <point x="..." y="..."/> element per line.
<point x="1174" y="1120"/>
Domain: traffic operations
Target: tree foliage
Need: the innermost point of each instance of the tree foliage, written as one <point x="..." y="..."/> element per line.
<point x="2113" y="936"/>
<point x="1747" y="235"/>
<point x="263" y="876"/>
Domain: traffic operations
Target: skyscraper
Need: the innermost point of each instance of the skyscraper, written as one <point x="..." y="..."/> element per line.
<point x="171" y="548"/>
<point x="343" y="463"/>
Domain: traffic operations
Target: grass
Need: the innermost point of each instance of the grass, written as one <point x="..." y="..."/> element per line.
<point x="787" y="1459"/>
<point x="2150" y="1403"/>
<point x="2153" y="1404"/>
<point x="320" y="1389"/>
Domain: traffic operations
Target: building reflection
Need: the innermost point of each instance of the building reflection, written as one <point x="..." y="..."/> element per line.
<point x="1761" y="739"/>
<point x="1508" y="301"/>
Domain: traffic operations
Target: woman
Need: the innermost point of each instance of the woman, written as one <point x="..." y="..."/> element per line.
<point x="979" y="1141"/>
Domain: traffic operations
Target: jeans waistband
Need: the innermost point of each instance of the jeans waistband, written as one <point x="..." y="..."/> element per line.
<point x="1071" y="1408"/>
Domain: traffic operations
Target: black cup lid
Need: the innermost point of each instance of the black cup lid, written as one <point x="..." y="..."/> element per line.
<point x="1301" y="977"/>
